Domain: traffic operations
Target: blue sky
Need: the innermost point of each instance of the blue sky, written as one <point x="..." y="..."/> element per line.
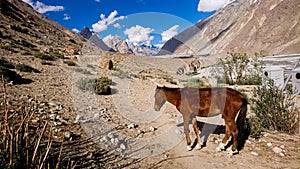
<point x="138" y="21"/>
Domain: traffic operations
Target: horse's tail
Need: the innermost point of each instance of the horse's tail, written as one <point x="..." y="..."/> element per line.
<point x="243" y="133"/>
<point x="241" y="119"/>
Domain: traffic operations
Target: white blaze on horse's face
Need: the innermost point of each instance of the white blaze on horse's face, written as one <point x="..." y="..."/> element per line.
<point x="160" y="99"/>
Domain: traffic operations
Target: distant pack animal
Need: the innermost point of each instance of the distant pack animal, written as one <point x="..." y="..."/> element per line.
<point x="106" y="64"/>
<point x="205" y="102"/>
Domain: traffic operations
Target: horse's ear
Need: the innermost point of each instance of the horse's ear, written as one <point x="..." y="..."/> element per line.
<point x="159" y="85"/>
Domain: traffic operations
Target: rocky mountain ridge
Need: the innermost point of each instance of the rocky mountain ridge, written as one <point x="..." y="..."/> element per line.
<point x="257" y="26"/>
<point x="120" y="45"/>
<point x="95" y="38"/>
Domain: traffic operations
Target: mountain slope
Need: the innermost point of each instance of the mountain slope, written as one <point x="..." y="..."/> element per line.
<point x="270" y="27"/>
<point x="94" y="38"/>
<point x="23" y="30"/>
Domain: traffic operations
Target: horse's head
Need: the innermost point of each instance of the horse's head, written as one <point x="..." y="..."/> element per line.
<point x="160" y="98"/>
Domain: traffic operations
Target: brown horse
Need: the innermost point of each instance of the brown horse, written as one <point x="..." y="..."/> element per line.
<point x="205" y="102"/>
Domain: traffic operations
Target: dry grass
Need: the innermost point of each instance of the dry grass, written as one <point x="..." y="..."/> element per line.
<point x="24" y="144"/>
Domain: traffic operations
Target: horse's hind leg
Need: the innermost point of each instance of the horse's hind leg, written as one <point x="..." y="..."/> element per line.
<point x="186" y="120"/>
<point x="196" y="130"/>
<point x="225" y="139"/>
<point x="234" y="131"/>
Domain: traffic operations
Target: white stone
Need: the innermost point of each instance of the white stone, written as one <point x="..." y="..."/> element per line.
<point x="110" y="135"/>
<point x="122" y="146"/>
<point x="52" y="116"/>
<point x="254" y="153"/>
<point x="104" y="139"/>
<point x="140" y="131"/>
<point x="96" y="115"/>
<point x="266" y="134"/>
<point x="269" y="144"/>
<point x="67" y="135"/>
<point x="57" y="123"/>
<point x="30" y="100"/>
<point x="114" y="140"/>
<point x="277" y="150"/>
<point x="59" y="107"/>
<point x="281" y="154"/>
<point x="152" y="129"/>
<point x="103" y="110"/>
<point x="178" y="131"/>
<point x="132" y="126"/>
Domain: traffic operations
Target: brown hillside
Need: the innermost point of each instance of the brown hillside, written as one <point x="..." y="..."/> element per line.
<point x="23" y="30"/>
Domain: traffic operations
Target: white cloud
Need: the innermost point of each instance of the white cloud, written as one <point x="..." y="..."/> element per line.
<point x="104" y="22"/>
<point x="168" y="34"/>
<point x="139" y="35"/>
<point x="43" y="8"/>
<point x="212" y="5"/>
<point x="117" y="25"/>
<point x="66" y="17"/>
<point x="75" y="30"/>
<point x="97" y="0"/>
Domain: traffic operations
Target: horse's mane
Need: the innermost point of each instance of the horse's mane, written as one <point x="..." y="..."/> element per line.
<point x="170" y="88"/>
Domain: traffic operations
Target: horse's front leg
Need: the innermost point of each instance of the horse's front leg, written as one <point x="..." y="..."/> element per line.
<point x="196" y="130"/>
<point x="186" y="120"/>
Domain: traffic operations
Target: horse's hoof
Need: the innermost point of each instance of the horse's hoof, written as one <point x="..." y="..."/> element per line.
<point x="218" y="149"/>
<point x="221" y="147"/>
<point x="231" y="153"/>
<point x="188" y="148"/>
<point x="198" y="146"/>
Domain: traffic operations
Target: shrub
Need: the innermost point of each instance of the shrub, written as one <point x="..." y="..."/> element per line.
<point x="44" y="56"/>
<point x="10" y="75"/>
<point x="236" y="69"/>
<point x="26" y="44"/>
<point x="55" y="53"/>
<point x="43" y="62"/>
<point x="26" y="52"/>
<point x="19" y="29"/>
<point x="99" y="85"/>
<point x="195" y="82"/>
<point x="26" y="68"/>
<point x="6" y="64"/>
<point x="8" y="48"/>
<point x="102" y="85"/>
<point x="273" y="109"/>
<point x="122" y="74"/>
<point x="170" y="80"/>
<point x="70" y="63"/>
<point x="86" y="84"/>
<point x="83" y="71"/>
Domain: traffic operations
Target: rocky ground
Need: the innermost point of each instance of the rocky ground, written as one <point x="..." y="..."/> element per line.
<point x="122" y="130"/>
